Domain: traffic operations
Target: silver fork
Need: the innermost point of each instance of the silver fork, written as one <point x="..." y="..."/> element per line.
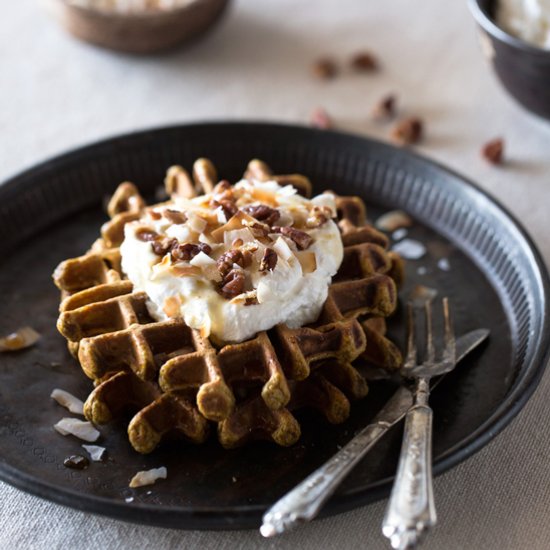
<point x="411" y="509"/>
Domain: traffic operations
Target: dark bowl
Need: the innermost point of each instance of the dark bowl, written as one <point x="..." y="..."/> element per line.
<point x="523" y="69"/>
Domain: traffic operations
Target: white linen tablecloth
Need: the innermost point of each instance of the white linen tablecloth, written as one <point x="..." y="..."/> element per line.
<point x="56" y="93"/>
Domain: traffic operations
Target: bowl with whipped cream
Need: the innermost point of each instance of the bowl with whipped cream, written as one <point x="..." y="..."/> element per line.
<point x="136" y="26"/>
<point x="515" y="37"/>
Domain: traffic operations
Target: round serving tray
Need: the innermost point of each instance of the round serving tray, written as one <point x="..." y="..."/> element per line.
<point x="496" y="280"/>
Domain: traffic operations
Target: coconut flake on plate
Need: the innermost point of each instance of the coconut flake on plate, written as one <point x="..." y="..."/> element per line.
<point x="444" y="264"/>
<point x="399" y="234"/>
<point x="410" y="249"/>
<point x="95" y="451"/>
<point x="148" y="477"/>
<point x="79" y="428"/>
<point x="20" y="339"/>
<point x="390" y="221"/>
<point x="68" y="400"/>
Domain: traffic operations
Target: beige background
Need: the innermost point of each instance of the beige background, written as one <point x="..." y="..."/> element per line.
<point x="56" y="94"/>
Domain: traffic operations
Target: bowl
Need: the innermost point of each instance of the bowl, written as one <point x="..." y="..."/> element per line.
<point x="137" y="32"/>
<point x="522" y="68"/>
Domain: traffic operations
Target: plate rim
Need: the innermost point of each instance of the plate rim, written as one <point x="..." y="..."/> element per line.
<point x="247" y="516"/>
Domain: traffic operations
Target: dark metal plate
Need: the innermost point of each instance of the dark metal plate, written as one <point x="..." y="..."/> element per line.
<point x="53" y="212"/>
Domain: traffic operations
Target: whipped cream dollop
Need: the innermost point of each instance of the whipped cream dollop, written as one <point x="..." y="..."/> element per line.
<point x="237" y="261"/>
<point x="526" y="19"/>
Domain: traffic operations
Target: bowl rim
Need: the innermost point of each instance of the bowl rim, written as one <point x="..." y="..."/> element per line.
<point x="137" y="15"/>
<point x="487" y="24"/>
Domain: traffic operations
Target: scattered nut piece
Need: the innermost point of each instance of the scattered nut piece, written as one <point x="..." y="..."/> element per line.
<point x="175" y="216"/>
<point x="187" y="251"/>
<point x="320" y="119"/>
<point x="79" y="428"/>
<point x="325" y="68"/>
<point x="76" y="462"/>
<point x="69" y="401"/>
<point x="493" y="151"/>
<point x="146" y="234"/>
<point x="408" y="131"/>
<point x="364" y="62"/>
<point x="233" y="284"/>
<point x="21" y="339"/>
<point x="385" y="108"/>
<point x="148" y="477"/>
<point x="263" y="213"/>
<point x="269" y="260"/>
<point x="163" y="246"/>
<point x="393" y="220"/>
<point x="300" y="238"/>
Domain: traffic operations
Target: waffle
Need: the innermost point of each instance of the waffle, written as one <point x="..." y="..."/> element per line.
<point x="175" y="381"/>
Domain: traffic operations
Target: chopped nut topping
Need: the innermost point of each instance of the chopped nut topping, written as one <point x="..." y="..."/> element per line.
<point x="493" y="151"/>
<point x="237" y="242"/>
<point x="222" y="187"/>
<point x="385" y="108"/>
<point x="175" y="216"/>
<point x="187" y="251"/>
<point x="364" y="62"/>
<point x="318" y="217"/>
<point x="229" y="207"/>
<point x="145" y="234"/>
<point x="408" y="131"/>
<point x="260" y="230"/>
<point x="301" y="238"/>
<point x="319" y="118"/>
<point x="163" y="246"/>
<point x="154" y="215"/>
<point x="251" y="301"/>
<point x="269" y="260"/>
<point x="325" y="69"/>
<point x="263" y="213"/>
<point x="233" y="284"/>
<point x="239" y="257"/>
<point x="76" y="462"/>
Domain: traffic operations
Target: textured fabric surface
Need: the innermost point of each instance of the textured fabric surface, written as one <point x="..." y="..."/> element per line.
<point x="56" y="94"/>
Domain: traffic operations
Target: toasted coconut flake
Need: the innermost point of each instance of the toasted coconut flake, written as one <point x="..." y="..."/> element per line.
<point x="238" y="221"/>
<point x="196" y="222"/>
<point x="69" y="401"/>
<point x="96" y="452"/>
<point x="21" y="339"/>
<point x="393" y="220"/>
<point x="307" y="260"/>
<point x="148" y="477"/>
<point x="410" y="249"/>
<point x="172" y="306"/>
<point x="185" y="271"/>
<point x="79" y="428"/>
<point x="444" y="264"/>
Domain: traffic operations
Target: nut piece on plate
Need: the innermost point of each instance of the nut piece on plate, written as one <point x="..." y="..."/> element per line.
<point x="385" y="109"/>
<point x="493" y="151"/>
<point x="364" y="62"/>
<point x="325" y="68"/>
<point x="408" y="131"/>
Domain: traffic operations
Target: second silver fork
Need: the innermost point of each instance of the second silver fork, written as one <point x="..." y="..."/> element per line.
<point x="411" y="510"/>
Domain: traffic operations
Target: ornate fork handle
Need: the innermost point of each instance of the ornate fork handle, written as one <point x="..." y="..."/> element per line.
<point x="411" y="510"/>
<point x="304" y="501"/>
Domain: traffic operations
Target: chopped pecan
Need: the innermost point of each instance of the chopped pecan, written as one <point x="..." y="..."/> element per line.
<point x="161" y="247"/>
<point x="408" y="131"/>
<point x="175" y="216"/>
<point x="187" y="251"/>
<point x="226" y="261"/>
<point x="263" y="213"/>
<point x="146" y="234"/>
<point x="493" y="151"/>
<point x="232" y="284"/>
<point x="325" y="68"/>
<point x="385" y="108"/>
<point x="318" y="217"/>
<point x="364" y="62"/>
<point x="228" y="206"/>
<point x="301" y="238"/>
<point x="269" y="260"/>
<point x="154" y="215"/>
<point x="259" y="230"/>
